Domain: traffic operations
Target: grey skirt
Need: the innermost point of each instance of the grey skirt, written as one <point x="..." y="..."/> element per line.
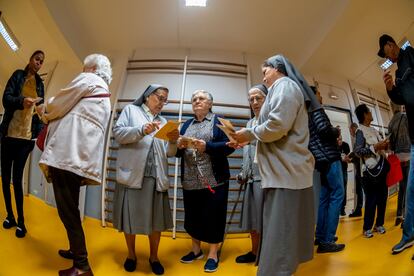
<point x="252" y="209"/>
<point x="141" y="211"/>
<point x="288" y="231"/>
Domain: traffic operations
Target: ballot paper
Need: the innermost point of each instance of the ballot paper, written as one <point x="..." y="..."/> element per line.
<point x="167" y="128"/>
<point x="227" y="128"/>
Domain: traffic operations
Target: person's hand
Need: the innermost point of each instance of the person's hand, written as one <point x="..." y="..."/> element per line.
<point x="173" y="135"/>
<point x="182" y="143"/>
<point x="346" y="159"/>
<point x="241" y="136"/>
<point x="381" y="145"/>
<point x="389" y="83"/>
<point x="28" y="102"/>
<point x="236" y="145"/>
<point x="39" y="109"/>
<point x="200" y="145"/>
<point x="151" y="127"/>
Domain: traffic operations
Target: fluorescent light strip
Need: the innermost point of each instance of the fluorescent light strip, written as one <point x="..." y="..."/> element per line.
<point x="196" y="3"/>
<point x="405" y="45"/>
<point x="8" y="38"/>
<point x="387" y="64"/>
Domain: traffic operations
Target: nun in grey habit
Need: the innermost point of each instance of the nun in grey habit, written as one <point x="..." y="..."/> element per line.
<point x="286" y="168"/>
<point x="141" y="204"/>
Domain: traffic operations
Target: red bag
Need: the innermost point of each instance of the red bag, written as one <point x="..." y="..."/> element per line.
<point x="41" y="138"/>
<point x="395" y="174"/>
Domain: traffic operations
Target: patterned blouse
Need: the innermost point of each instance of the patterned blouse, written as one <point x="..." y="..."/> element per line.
<point x="198" y="167"/>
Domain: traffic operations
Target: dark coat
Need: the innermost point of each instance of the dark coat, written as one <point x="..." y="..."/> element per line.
<point x="323" y="140"/>
<point x="13" y="100"/>
<point x="403" y="91"/>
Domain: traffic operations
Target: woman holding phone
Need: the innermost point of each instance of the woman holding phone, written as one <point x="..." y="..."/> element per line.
<point x="22" y="97"/>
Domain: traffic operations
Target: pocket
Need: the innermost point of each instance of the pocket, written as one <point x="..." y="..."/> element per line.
<point x="123" y="175"/>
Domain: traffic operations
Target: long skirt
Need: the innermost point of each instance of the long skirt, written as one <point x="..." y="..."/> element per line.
<point x="252" y="209"/>
<point x="141" y="211"/>
<point x="205" y="213"/>
<point x="288" y="231"/>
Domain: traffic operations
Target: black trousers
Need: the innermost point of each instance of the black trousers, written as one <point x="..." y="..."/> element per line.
<point x="66" y="186"/>
<point x="358" y="189"/>
<point x="402" y="188"/>
<point x="376" y="195"/>
<point x="14" y="153"/>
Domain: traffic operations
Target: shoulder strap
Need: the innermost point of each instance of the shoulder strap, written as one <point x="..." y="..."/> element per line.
<point x="106" y="95"/>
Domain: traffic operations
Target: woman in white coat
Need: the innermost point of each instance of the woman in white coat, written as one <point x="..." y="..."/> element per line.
<point x="141" y="204"/>
<point x="73" y="154"/>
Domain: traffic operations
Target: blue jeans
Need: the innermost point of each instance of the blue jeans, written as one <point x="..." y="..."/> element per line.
<point x="330" y="203"/>
<point x="408" y="229"/>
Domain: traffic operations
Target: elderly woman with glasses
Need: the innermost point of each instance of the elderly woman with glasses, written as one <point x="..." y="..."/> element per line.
<point x="141" y="204"/>
<point x="251" y="213"/>
<point x="205" y="179"/>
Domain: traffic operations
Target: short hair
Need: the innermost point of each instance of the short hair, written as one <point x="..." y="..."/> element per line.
<point x="209" y="96"/>
<point x="102" y="64"/>
<point x="279" y="67"/>
<point x="360" y="112"/>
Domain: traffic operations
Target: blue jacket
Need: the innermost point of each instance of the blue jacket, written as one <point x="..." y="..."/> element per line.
<point x="217" y="150"/>
<point x="13" y="100"/>
<point x="403" y="91"/>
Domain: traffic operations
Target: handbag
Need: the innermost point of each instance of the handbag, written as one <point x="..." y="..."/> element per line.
<point x="41" y="138"/>
<point x="395" y="174"/>
<point x="380" y="170"/>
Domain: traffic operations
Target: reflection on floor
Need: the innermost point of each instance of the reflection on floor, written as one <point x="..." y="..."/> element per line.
<point x="36" y="254"/>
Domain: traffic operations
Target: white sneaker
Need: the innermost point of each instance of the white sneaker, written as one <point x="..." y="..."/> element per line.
<point x="380" y="229"/>
<point x="368" y="234"/>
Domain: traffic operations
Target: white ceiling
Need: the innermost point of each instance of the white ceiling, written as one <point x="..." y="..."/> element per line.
<point x="339" y="37"/>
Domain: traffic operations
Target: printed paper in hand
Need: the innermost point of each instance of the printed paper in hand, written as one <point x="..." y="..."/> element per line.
<point x="227" y="128"/>
<point x="167" y="128"/>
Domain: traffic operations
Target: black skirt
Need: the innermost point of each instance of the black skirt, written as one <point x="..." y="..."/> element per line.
<point x="205" y="213"/>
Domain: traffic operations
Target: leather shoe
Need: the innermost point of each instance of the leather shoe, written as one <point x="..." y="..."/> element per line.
<point x="130" y="264"/>
<point x="67" y="254"/>
<point x="156" y="267"/>
<point x="73" y="271"/>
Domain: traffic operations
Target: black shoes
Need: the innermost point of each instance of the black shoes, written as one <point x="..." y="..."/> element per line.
<point x="67" y="254"/>
<point x="330" y="247"/>
<point x="21" y="230"/>
<point x="355" y="214"/>
<point x="156" y="267"/>
<point x="130" y="265"/>
<point x="343" y="213"/>
<point x="246" y="258"/>
<point x="318" y="242"/>
<point x="9" y="222"/>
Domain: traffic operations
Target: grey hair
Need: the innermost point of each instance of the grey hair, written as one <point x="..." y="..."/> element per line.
<point x="209" y="96"/>
<point x="102" y="64"/>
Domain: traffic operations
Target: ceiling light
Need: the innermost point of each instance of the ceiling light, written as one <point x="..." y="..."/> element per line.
<point x="8" y="35"/>
<point x="386" y="64"/>
<point x="405" y="45"/>
<point x="196" y="3"/>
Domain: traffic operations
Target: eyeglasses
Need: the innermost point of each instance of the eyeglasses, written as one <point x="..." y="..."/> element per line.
<point x="160" y="98"/>
<point x="256" y="98"/>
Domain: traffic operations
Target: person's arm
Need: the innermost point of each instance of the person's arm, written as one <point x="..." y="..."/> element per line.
<point x="124" y="133"/>
<point x="59" y="105"/>
<point x="361" y="150"/>
<point x="323" y="126"/>
<point x="10" y="100"/>
<point x="218" y="146"/>
<point x="283" y="109"/>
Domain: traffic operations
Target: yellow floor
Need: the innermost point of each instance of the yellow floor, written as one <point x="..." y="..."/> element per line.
<point x="36" y="254"/>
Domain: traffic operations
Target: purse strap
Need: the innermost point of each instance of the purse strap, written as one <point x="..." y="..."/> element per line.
<point x="106" y="95"/>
